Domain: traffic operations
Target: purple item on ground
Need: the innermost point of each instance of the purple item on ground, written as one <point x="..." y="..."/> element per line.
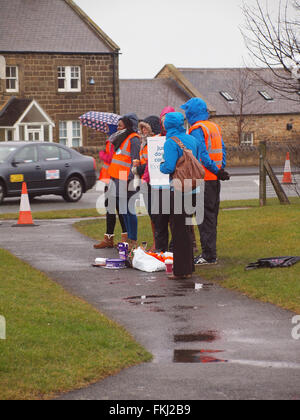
<point x="116" y="263"/>
<point x="123" y="250"/>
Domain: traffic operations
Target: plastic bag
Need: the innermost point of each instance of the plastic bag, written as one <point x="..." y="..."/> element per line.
<point x="144" y="262"/>
<point x="273" y="262"/>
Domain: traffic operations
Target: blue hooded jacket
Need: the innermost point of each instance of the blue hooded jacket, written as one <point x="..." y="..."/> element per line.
<point x="196" y="110"/>
<point x="174" y="125"/>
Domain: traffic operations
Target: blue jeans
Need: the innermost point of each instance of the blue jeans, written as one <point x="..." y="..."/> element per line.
<point x="129" y="215"/>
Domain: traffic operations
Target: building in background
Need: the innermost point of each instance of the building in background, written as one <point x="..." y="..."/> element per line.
<point x="248" y="110"/>
<point x="57" y="64"/>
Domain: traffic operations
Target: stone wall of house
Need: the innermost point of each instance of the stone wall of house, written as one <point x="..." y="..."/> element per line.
<point x="38" y="80"/>
<point x="271" y="128"/>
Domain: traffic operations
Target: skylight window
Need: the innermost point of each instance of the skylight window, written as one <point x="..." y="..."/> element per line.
<point x="227" y="96"/>
<point x="265" y="95"/>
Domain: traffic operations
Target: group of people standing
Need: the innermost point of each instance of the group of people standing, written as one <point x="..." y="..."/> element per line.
<point x="125" y="160"/>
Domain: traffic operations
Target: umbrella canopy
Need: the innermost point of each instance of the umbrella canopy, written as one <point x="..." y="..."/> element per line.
<point x="106" y="122"/>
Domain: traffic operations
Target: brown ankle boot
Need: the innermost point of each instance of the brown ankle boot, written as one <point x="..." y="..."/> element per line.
<point x="108" y="242"/>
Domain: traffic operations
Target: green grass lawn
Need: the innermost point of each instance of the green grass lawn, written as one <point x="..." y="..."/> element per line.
<point x="54" y="342"/>
<point x="243" y="237"/>
<point x="85" y="213"/>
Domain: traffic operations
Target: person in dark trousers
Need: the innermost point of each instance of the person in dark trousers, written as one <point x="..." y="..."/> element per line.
<point x="162" y="220"/>
<point x="181" y="232"/>
<point x="148" y="127"/>
<point x="213" y="158"/>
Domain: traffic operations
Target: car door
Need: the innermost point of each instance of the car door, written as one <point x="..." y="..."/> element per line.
<point x="54" y="168"/>
<point x="24" y="166"/>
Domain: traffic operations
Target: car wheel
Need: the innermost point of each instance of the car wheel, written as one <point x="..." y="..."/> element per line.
<point x="73" y="190"/>
<point x="2" y="192"/>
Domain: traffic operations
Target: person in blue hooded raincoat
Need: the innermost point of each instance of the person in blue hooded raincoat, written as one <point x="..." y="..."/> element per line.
<point x="213" y="158"/>
<point x="181" y="232"/>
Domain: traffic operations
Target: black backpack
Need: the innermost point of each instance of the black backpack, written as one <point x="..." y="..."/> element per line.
<point x="273" y="262"/>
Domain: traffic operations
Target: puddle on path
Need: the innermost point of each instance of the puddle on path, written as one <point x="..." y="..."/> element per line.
<point x="196" y="356"/>
<point x="204" y="336"/>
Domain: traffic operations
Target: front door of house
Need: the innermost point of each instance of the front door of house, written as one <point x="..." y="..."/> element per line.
<point x="34" y="133"/>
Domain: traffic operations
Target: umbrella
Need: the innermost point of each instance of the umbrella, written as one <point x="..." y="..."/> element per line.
<point x="106" y="122"/>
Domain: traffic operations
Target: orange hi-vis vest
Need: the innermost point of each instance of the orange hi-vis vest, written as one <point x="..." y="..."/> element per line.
<point x="121" y="161"/>
<point x="213" y="141"/>
<point x="104" y="175"/>
<point x="144" y="155"/>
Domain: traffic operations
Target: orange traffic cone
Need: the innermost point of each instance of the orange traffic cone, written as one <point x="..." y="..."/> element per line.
<point x="287" y="175"/>
<point x="25" y="217"/>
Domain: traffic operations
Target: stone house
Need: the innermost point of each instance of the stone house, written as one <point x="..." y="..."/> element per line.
<point x="248" y="110"/>
<point x="55" y="65"/>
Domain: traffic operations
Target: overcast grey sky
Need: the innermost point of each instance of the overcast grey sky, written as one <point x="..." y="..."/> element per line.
<point x="186" y="33"/>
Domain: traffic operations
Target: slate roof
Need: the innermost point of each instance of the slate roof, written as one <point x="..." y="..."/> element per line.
<point x="12" y="111"/>
<point x="147" y="97"/>
<point x="58" y="26"/>
<point x="210" y="82"/>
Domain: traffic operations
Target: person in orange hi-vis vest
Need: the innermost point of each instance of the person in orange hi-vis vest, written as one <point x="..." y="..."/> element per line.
<point x="148" y="127"/>
<point x="213" y="158"/>
<point x="111" y="219"/>
<point x="127" y="149"/>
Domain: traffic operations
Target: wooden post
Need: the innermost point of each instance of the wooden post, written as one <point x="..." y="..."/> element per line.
<point x="276" y="184"/>
<point x="262" y="174"/>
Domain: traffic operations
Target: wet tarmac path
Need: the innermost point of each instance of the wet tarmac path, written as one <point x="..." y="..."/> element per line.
<point x="207" y="342"/>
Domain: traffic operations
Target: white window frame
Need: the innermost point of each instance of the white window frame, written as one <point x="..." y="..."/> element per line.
<point x="247" y="138"/>
<point x="16" y="78"/>
<point x="69" y="73"/>
<point x="226" y="95"/>
<point x="69" y="133"/>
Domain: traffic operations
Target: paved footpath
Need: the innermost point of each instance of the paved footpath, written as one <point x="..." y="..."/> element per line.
<point x="207" y="343"/>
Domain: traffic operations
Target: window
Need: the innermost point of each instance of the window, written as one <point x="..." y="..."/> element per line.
<point x="247" y="139"/>
<point x="9" y="135"/>
<point x="27" y="155"/>
<point x="70" y="133"/>
<point x="12" y="82"/>
<point x="265" y="95"/>
<point x="69" y="79"/>
<point x="49" y="152"/>
<point x="227" y="96"/>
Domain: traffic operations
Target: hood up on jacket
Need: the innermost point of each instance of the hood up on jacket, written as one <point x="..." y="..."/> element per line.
<point x="131" y="122"/>
<point x="195" y="110"/>
<point x="174" y="124"/>
<point x="164" y="112"/>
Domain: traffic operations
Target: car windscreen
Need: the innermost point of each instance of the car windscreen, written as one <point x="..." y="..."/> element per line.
<point x="5" y="151"/>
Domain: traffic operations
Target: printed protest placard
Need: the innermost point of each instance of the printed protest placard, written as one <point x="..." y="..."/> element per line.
<point x="155" y="157"/>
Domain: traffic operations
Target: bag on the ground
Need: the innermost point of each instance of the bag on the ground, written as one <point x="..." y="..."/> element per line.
<point x="144" y="262"/>
<point x="187" y="168"/>
<point x="273" y="262"/>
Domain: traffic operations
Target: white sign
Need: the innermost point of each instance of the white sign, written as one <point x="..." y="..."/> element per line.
<point x="155" y="157"/>
<point x="53" y="174"/>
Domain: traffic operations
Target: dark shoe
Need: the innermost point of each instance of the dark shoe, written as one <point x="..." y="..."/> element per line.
<point x="202" y="261"/>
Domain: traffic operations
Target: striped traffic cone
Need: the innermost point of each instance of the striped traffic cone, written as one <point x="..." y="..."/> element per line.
<point x="287" y="175"/>
<point x="25" y="216"/>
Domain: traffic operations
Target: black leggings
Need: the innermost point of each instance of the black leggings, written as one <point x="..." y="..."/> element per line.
<point x="111" y="220"/>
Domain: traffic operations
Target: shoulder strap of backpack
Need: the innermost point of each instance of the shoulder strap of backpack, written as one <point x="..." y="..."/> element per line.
<point x="179" y="143"/>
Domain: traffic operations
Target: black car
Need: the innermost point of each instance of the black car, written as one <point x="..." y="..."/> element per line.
<point x="47" y="168"/>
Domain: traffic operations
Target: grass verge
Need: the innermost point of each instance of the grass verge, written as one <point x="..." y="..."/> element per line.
<point x="243" y="237"/>
<point x="54" y="342"/>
